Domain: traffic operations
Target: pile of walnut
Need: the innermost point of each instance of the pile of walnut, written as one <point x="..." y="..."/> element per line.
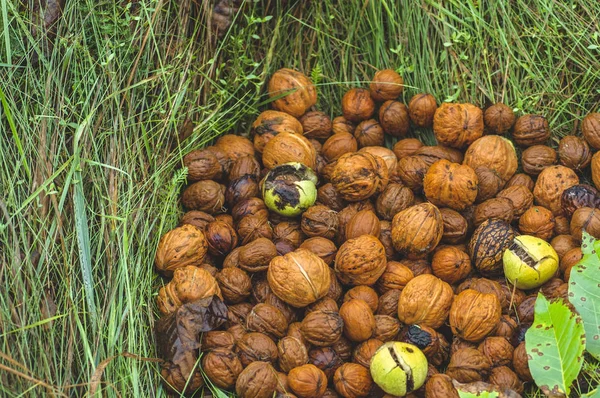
<point x="401" y="245"/>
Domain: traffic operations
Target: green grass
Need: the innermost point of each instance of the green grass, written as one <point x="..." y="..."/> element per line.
<point x="90" y="141"/>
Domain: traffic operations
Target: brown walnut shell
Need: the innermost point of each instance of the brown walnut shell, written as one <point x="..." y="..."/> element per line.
<point x="574" y="152"/>
<point x="596" y="170"/>
<point x="506" y="327"/>
<point x="267" y="319"/>
<point x="359" y="322"/>
<point x="365" y="222"/>
<point x="561" y="225"/>
<point x="270" y="123"/>
<point x="421" y="110"/>
<point x="385" y="237"/>
<point x="495" y="153"/>
<point x="499" y="118"/>
<point x="328" y="196"/>
<point x="235" y="284"/>
<point x="244" y="166"/>
<point x="222" y="367"/>
<point x="326" y="304"/>
<point x="357" y="105"/>
<point x="457" y="125"/>
<point x="388" y="303"/>
<point x="316" y="124"/>
<point x="205" y="195"/>
<point x="386" y="328"/>
<point x="394" y="118"/>
<point x="256" y="255"/>
<point x="585" y="219"/>
<point x="394" y="198"/>
<point x="425" y="300"/>
<point x="217" y="339"/>
<point x="360" y="261"/>
<point x="298" y="91"/>
<point x="319" y="220"/>
<point x="531" y="130"/>
<point x="240" y="189"/>
<point x="451" y="185"/>
<point x="299" y="278"/>
<point x="203" y="164"/>
<point x="387" y="84"/>
<point x="234" y="146"/>
<point x="369" y="133"/>
<point x="489" y="184"/>
<point x="358" y="176"/>
<point x="440" y="386"/>
<point x="590" y="127"/>
<point x="180" y="247"/>
<point x="506" y="379"/>
<point x="433" y="153"/>
<point x="536" y="158"/>
<point x="247" y="207"/>
<point x="292" y="353"/>
<point x="289" y="147"/>
<point x="520" y="363"/>
<point x="322" y="247"/>
<point x="352" y="380"/>
<point x="498" y="350"/>
<point x="570" y="258"/>
<point x="563" y="243"/>
<point x="451" y="264"/>
<point x="469" y="365"/>
<point x="364" y="352"/>
<point x="289" y="231"/>
<point x="454" y="226"/>
<point x="198" y="219"/>
<point x="253" y="346"/>
<point x="254" y="226"/>
<point x="395" y="276"/>
<point x="338" y="145"/>
<point x="221" y="238"/>
<point x="488" y="243"/>
<point x="257" y="380"/>
<point x="417" y="230"/>
<point x="498" y="208"/>
<point x="189" y="284"/>
<point x="411" y="171"/>
<point x="307" y="381"/>
<point x="364" y="293"/>
<point x="520" y="196"/>
<point x="551" y="184"/>
<point x="341" y="125"/>
<point x="237" y="313"/>
<point x="406" y="147"/>
<point x="521" y="179"/>
<point x="322" y="328"/>
<point x="537" y="221"/>
<point x="474" y="315"/>
<point x="288" y="312"/>
<point x="577" y="196"/>
<point x="431" y="343"/>
<point x="488" y="286"/>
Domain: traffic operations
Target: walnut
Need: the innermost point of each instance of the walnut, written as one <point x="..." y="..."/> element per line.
<point x="561" y="225"/>
<point x="489" y="183"/>
<point x="563" y="243"/>
<point x="574" y="152"/>
<point x="180" y="247"/>
<point x="369" y="133"/>
<point x="352" y="380"/>
<point x="204" y="195"/>
<point x="267" y="319"/>
<point x="433" y="344"/>
<point x="457" y="125"/>
<point x="474" y="315"/>
<point x="322" y="247"/>
<point x="496" y="208"/>
<point x="289" y="231"/>
<point x="270" y="123"/>
<point x="292" y="353"/>
<point x="577" y="196"/>
<point x="387" y="84"/>
<point x="425" y="300"/>
<point x="505" y="378"/>
<point x="451" y="264"/>
<point x="488" y="286"/>
<point x="520" y="363"/>
<point x="537" y="221"/>
<point x="234" y="146"/>
<point x="338" y="145"/>
<point x="385" y="237"/>
<point x="203" y="164"/>
<point x="364" y="352"/>
<point x="450" y="184"/>
<point x="585" y="219"/>
<point x="551" y="184"/>
<point x="454" y="226"/>
<point x="531" y="130"/>
<point x="495" y="153"/>
<point x="440" y="386"/>
<point x="299" y="93"/>
<point x="417" y="230"/>
<point x="240" y="189"/>
<point x="299" y="278"/>
<point x="498" y="118"/>
<point x="360" y="261"/>
<point x="388" y="303"/>
<point x="256" y="255"/>
<point x="217" y="339"/>
<point x="386" y="328"/>
<point x="260" y="289"/>
<point x="326" y="359"/>
<point x="258" y="380"/>
<point x="253" y="346"/>
<point x="358" y="176"/>
<point x="319" y="220"/>
<point x="406" y="147"/>
<point x="359" y="322"/>
<point x="506" y="327"/>
<point x="237" y="314"/>
<point x="521" y="179"/>
<point x="235" y="284"/>
<point x="307" y="381"/>
<point x="498" y="350"/>
<point x="343" y="348"/>
<point x="316" y="124"/>
<point x="394" y="118"/>
<point x="590" y="127"/>
<point x="421" y="109"/>
<point x="365" y="222"/>
<point x="357" y="105"/>
<point x="468" y="365"/>
<point x="326" y="304"/>
<point x="536" y="158"/>
<point x="221" y="238"/>
<point x="288" y="311"/>
<point x="189" y="284"/>
<point x="335" y="287"/>
<point x="328" y="196"/>
<point x="396" y="276"/>
<point x="254" y="226"/>
<point x="289" y="147"/>
<point x="244" y="166"/>
<point x="322" y="328"/>
<point x="342" y="125"/>
<point x="388" y="156"/>
<point x="364" y="293"/>
<point x="394" y="199"/>
<point x="247" y="207"/>
<point x="520" y="196"/>
<point x="198" y="219"/>
<point x="222" y="367"/>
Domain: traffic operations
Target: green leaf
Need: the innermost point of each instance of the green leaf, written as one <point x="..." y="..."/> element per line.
<point x="584" y="292"/>
<point x="592" y="394"/>
<point x="555" y="344"/>
<point x="484" y="394"/>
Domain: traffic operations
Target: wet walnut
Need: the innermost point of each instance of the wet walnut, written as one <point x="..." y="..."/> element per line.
<point x="325" y="358"/>
<point x="451" y="264"/>
<point x="299" y="93"/>
<point x="425" y="300"/>
<point x="536" y="158"/>
<point x="352" y="380"/>
<point x="307" y="381"/>
<point x="221" y="238"/>
<point x="495" y="153"/>
<point x="369" y="133"/>
<point x="359" y="322"/>
<point x="450" y="185"/>
<point x="531" y="130"/>
<point x="235" y="284"/>
<point x="299" y="278"/>
<point x="474" y="315"/>
<point x="360" y="261"/>
<point x="417" y="230"/>
<point x="292" y="353"/>
<point x="319" y="220"/>
<point x="394" y="118"/>
<point x="387" y="84"/>
<point x="577" y="196"/>
<point x="421" y="109"/>
<point x="357" y="105"/>
<point x="322" y="328"/>
<point x="499" y="118"/>
<point x="574" y="152"/>
<point x="189" y="284"/>
<point x="180" y="247"/>
<point x="258" y="379"/>
<point x="537" y="221"/>
<point x="469" y="365"/>
<point x="551" y="184"/>
<point x="358" y="176"/>
<point x="457" y="125"/>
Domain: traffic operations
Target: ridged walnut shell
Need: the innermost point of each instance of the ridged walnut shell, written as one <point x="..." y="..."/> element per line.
<point x="342" y="125"/>
<point x="520" y="196"/>
<point x="235" y="146"/>
<point x="387" y="84"/>
<point x="189" y="283"/>
<point x="352" y="380"/>
<point x="521" y="363"/>
<point x="537" y="221"/>
<point x="358" y="176"/>
<point x="421" y="110"/>
<point x="364" y="293"/>
<point x="454" y="228"/>
<point x="205" y="195"/>
<point x="590" y="127"/>
<point x="417" y="230"/>
<point x="322" y="328"/>
<point x="440" y="386"/>
<point x="322" y="247"/>
<point x="394" y="198"/>
<point x="254" y="346"/>
<point x="369" y="133"/>
<point x="388" y="156"/>
<point x="221" y="238"/>
<point x="521" y="179"/>
<point x="267" y="319"/>
<point x="326" y="358"/>
<point x="203" y="164"/>
<point x="451" y="185"/>
<point x="316" y="124"/>
<point x="307" y="381"/>
<point x="270" y="123"/>
<point x="394" y="119"/>
<point x="585" y="219"/>
<point x="406" y="147"/>
<point x="299" y="278"/>
<point x="365" y="222"/>
<point x="487" y="245"/>
<point x="298" y="90"/>
<point x="289" y="147"/>
<point x="494" y="152"/>
<point x="360" y="261"/>
<point x="256" y="255"/>
<point x="425" y="300"/>
<point x="359" y="322"/>
<point x="468" y="365"/>
<point x="498" y="350"/>
<point x="235" y="284"/>
<point x="574" y="153"/>
<point x="292" y="353"/>
<point x="498" y="208"/>
<point x="357" y="105"/>
<point x="338" y="145"/>
<point x="257" y="380"/>
<point x="222" y="367"/>
<point x="536" y="158"/>
<point x="498" y="118"/>
<point x="551" y="184"/>
<point x="474" y="315"/>
<point x="451" y="264"/>
<point x="180" y="247"/>
<point x="319" y="220"/>
<point x="457" y="125"/>
<point x="531" y="130"/>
